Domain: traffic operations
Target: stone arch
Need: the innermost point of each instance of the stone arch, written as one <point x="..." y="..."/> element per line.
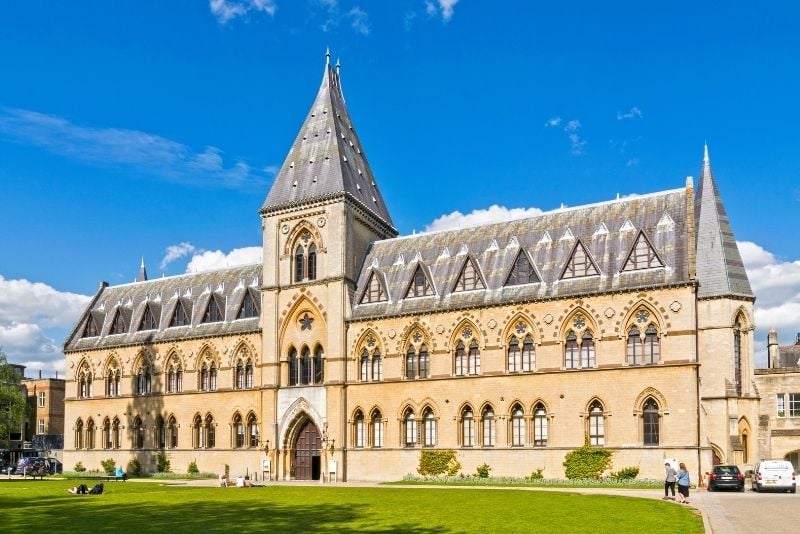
<point x="629" y="317"/>
<point x="467" y="329"/>
<point x="537" y="402"/>
<point x="300" y="305"/>
<point x="515" y="402"/>
<point x="293" y="420"/>
<point x="244" y="349"/>
<point x="360" y="341"/>
<point x="745" y="437"/>
<point x="207" y="353"/>
<point x="84" y="365"/>
<point x="592" y="400"/>
<point x="510" y="329"/>
<point x="579" y="319"/>
<point x="297" y="232"/>
<point x="463" y="406"/>
<point x="175" y="354"/>
<point x="406" y="405"/>
<point x="718" y="452"/>
<point x="406" y="337"/>
<point x="112" y="362"/>
<point x="485" y="405"/>
<point x="638" y="404"/>
<point x="741" y="315"/>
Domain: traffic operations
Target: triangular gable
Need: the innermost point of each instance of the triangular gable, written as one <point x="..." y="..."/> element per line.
<point x="180" y="316"/>
<point x="90" y="329"/>
<point x="546" y="239"/>
<point x="492" y="246"/>
<point x="627" y="226"/>
<point x="568" y="235"/>
<point x="148" y="321"/>
<point x="445" y="253"/>
<point x="400" y="260"/>
<point x="642" y="255"/>
<point x="469" y="278"/>
<point x="463" y="250"/>
<point x="248" y="307"/>
<point x="513" y="242"/>
<point x="522" y="271"/>
<point x="118" y="323"/>
<point x="373" y="290"/>
<point x="215" y="310"/>
<point x="419" y="285"/>
<point x="666" y="222"/>
<point x="601" y="230"/>
<point x="580" y="263"/>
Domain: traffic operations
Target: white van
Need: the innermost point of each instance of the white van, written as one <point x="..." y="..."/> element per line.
<point x="776" y="475"/>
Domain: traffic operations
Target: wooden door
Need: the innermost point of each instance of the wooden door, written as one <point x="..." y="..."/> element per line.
<point x="306" y="451"/>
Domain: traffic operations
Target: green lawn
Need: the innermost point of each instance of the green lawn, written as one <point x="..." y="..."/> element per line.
<point x="45" y="506"/>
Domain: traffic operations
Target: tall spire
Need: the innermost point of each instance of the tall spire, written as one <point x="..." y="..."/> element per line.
<point x="327" y="159"/>
<point x="720" y="270"/>
<point x="142" y="276"/>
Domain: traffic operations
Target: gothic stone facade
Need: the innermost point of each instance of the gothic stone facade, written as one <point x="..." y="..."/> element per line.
<point x="627" y="324"/>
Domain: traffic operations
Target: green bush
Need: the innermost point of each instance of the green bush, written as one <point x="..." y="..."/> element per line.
<point x="134" y="468"/>
<point x="537" y="475"/>
<point x="79" y="467"/>
<point x="162" y="463"/>
<point x="587" y="462"/>
<point x="434" y="463"/>
<point x="193" y="470"/>
<point x="109" y="466"/>
<point x="626" y="473"/>
<point x="483" y="470"/>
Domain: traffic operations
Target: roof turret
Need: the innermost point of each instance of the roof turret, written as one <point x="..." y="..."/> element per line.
<point x="327" y="158"/>
<point x="142" y="276"/>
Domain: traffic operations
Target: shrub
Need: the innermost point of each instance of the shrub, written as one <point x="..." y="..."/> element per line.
<point x="483" y="470"/>
<point x="134" y="468"/>
<point x="586" y="462"/>
<point x="192" y="469"/>
<point x="537" y="475"/>
<point x="109" y="466"/>
<point x="79" y="467"/>
<point x="434" y="463"/>
<point x="162" y="463"/>
<point x="626" y="473"/>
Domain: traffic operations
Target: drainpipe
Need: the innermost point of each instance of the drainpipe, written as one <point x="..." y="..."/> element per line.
<point x="697" y="377"/>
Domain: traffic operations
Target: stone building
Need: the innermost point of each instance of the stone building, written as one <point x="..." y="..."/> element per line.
<point x="627" y="324"/>
<point x="779" y="388"/>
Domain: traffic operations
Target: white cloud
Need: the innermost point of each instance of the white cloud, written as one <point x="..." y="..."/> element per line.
<point x="174" y="252"/>
<point x="141" y="153"/>
<point x="492" y="214"/>
<point x="227" y="10"/>
<point x="443" y="7"/>
<point x="572" y="128"/>
<point x="356" y="17"/>
<point x="552" y="123"/>
<point x="359" y="20"/>
<point x="633" y="113"/>
<point x="210" y="260"/>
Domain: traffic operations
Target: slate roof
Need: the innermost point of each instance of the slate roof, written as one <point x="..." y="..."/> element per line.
<point x="608" y="230"/>
<point x="327" y="159"/>
<point x="720" y="269"/>
<point x="788" y="356"/>
<point x="162" y="295"/>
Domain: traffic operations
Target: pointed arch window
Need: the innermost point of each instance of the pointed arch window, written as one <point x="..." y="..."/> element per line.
<point x="474" y="359"/>
<point x="210" y="428"/>
<point x="642" y="255"/>
<point x="363" y="374"/>
<point x="461" y="359"/>
<point x="214" y="312"/>
<point x="107" y="443"/>
<point x="517" y="426"/>
<point x="652" y="346"/>
<point x="411" y="363"/>
<point x="305" y="366"/>
<point x="540" y="429"/>
<point x="148" y="319"/>
<point x="312" y="262"/>
<point x="118" y="324"/>
<point x="374" y="291"/>
<point x="571" y="351"/>
<point x="299" y="263"/>
<point x="172" y="428"/>
<point x="487" y="427"/>
<point x="252" y="430"/>
<point x="360" y="430"/>
<point x="522" y="271"/>
<point x="144" y="380"/>
<point x="90" y="434"/>
<point x="635" y="349"/>
<point x="467" y="428"/>
<point x="161" y="433"/>
<point x="138" y="433"/>
<point x="238" y="431"/>
<point x="737" y="357"/>
<point x="84" y="382"/>
<point x="597" y="425"/>
<point x="294" y="377"/>
<point x="179" y="317"/>
<point x="239" y="376"/>
<point x="514" y="356"/>
<point x="319" y="367"/>
<point x="212" y="377"/>
<point x="204" y="383"/>
<point x="419" y="286"/>
<point x="409" y="429"/>
<point x="175" y="378"/>
<point x="377" y="366"/>
<point x="90" y="329"/>
<point x="248" y="307"/>
<point x="199" y="434"/>
<point x="377" y="429"/>
<point x="528" y="355"/>
<point x="580" y="263"/>
<point x="587" y="350"/>
<point x="650" y="422"/>
<point x="429" y="427"/>
<point x="115" y="434"/>
<point x="469" y="278"/>
<point x="79" y="434"/>
<point x="112" y="382"/>
<point x="248" y="374"/>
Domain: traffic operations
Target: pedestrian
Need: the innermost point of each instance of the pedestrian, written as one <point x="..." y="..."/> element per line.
<point x="683" y="484"/>
<point x="669" y="480"/>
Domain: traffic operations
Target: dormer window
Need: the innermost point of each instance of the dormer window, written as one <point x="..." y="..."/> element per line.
<point x="580" y="263"/>
<point x="419" y="286"/>
<point x="248" y="306"/>
<point x="90" y="330"/>
<point x="522" y="271"/>
<point x="179" y="316"/>
<point x="148" y="319"/>
<point x="118" y="325"/>
<point x="642" y="255"/>
<point x="469" y="279"/>
<point x="214" y="312"/>
<point x="374" y="291"/>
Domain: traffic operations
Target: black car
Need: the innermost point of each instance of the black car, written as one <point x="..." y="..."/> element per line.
<point x="725" y="476"/>
<point x="33" y="464"/>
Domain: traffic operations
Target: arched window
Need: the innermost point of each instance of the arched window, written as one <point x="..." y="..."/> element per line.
<point x="474" y="359"/>
<point x="248" y="375"/>
<point x="214" y="311"/>
<point x="359" y="430"/>
<point x="204" y="384"/>
<point x="175" y="378"/>
<point x="737" y="357"/>
<point x="461" y="359"/>
<point x="634" y="346"/>
<point x="248" y="307"/>
<point x="299" y="260"/>
<point x="377" y="429"/>
<point x="312" y="262"/>
<point x="84" y="382"/>
<point x="293" y="368"/>
<point x="411" y="363"/>
<point x="652" y="346"/>
<point x="528" y="355"/>
<point x="212" y="377"/>
<point x="467" y="428"/>
<point x="650" y="422"/>
<point x="239" y="375"/>
<point x="238" y="431"/>
<point x="115" y="435"/>
<point x="305" y="366"/>
<point x="571" y="351"/>
<point x="210" y="428"/>
<point x="539" y="426"/>
<point x="252" y="430"/>
<point x="107" y="438"/>
<point x="487" y="424"/>
<point x="161" y="433"/>
<point x="514" y="356"/>
<point x="377" y="366"/>
<point x="173" y="433"/>
<point x="517" y="426"/>
<point x="424" y="362"/>
<point x="144" y="380"/>
<point x="79" y="434"/>
<point x="199" y="435"/>
<point x="112" y="383"/>
<point x="138" y="433"/>
<point x="587" y="350"/>
<point x="363" y="374"/>
<point x="410" y="428"/>
<point x="597" y="424"/>
<point x="430" y="428"/>
<point x="319" y="366"/>
<point x="90" y="434"/>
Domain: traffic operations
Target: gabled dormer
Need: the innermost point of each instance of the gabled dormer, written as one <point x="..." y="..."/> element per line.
<point x="579" y="264"/>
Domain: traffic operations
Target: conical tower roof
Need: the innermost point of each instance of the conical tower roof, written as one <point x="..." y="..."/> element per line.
<point x="327" y="159"/>
<point x="720" y="270"/>
<point x="142" y="276"/>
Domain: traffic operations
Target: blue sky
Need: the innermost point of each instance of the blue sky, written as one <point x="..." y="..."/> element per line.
<point x="154" y="129"/>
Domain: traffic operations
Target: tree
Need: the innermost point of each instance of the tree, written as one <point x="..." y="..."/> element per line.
<point x="12" y="401"/>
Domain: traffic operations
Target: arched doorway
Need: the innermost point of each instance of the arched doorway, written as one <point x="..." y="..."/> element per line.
<point x="307" y="462"/>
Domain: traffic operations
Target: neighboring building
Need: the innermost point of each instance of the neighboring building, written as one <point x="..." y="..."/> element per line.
<point x="626" y="323"/>
<point x="45" y="428"/>
<point x="779" y="387"/>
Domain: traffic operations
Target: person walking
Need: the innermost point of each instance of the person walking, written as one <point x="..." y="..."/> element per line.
<point x="670" y="476"/>
<point x="683" y="483"/>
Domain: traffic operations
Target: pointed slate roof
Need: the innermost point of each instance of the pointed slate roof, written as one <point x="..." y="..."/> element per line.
<point x="327" y="159"/>
<point x="142" y="276"/>
<point x="720" y="270"/>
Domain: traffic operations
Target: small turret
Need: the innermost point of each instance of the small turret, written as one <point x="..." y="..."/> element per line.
<point x="142" y="276"/>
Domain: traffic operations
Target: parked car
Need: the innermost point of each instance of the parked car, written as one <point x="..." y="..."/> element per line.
<point x="778" y="475"/>
<point x="56" y="466"/>
<point x="725" y="476"/>
<point x="8" y="469"/>
<point x="33" y="464"/>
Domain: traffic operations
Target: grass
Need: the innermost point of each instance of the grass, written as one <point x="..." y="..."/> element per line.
<point x="637" y="484"/>
<point x="143" y="507"/>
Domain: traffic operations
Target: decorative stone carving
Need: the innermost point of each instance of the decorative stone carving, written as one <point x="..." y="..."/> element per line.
<point x="492" y="324"/>
<point x="321" y="222"/>
<point x="675" y="306"/>
<point x="285" y="229"/>
<point x="548" y="318"/>
<point x="609" y="313"/>
<point x="440" y="329"/>
<point x="392" y="333"/>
